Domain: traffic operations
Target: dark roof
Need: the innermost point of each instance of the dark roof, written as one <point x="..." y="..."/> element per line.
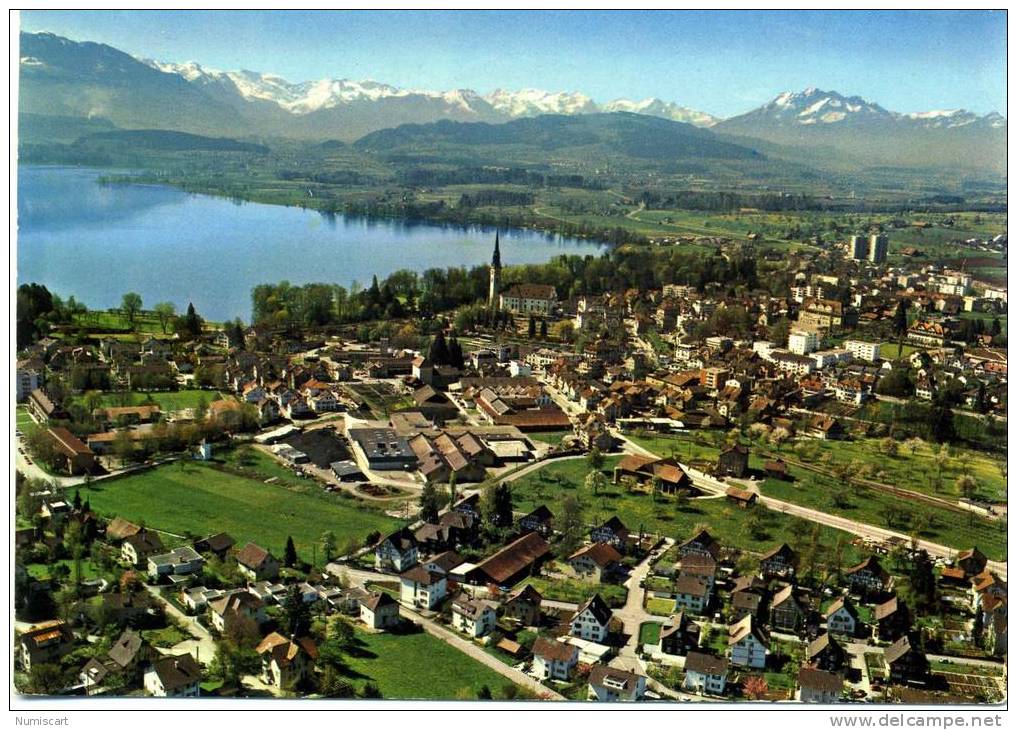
<point x="897" y="649"/>
<point x="885" y="609"/>
<point x="819" y="680"/>
<point x="596" y="605"/>
<point x="599" y="552"/>
<point x="541" y="513"/>
<point x="418" y="574"/>
<point x="527" y="594"/>
<point x="784" y="550"/>
<point x="620" y="679"/>
<point x="514" y="557"/>
<point x="252" y="556"/>
<point x="377" y="600"/>
<point x="126" y="648"/>
<point x="705" y="663"/>
<point x="820" y="644"/>
<point x="177" y="671"/>
<point x="691" y="585"/>
<point x="216" y="543"/>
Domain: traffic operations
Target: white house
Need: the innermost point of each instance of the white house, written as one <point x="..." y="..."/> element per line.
<point x="473" y="616"/>
<point x="815" y="685"/>
<point x="554" y="659"/>
<point x="397" y="551"/>
<point x="591" y="620"/>
<point x="183" y="560"/>
<point x="841" y="617"/>
<point x="705" y="673"/>
<point x="422" y="588"/>
<point x="802" y="342"/>
<point x="868" y="351"/>
<point x="379" y="610"/>
<point x="608" y="684"/>
<point x="747" y="643"/>
<point x="173" y="676"/>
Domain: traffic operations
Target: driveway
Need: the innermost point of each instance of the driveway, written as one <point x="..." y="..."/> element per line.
<point x="202" y="646"/>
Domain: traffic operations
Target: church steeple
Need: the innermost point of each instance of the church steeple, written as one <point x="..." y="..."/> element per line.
<point x="495" y="272"/>
<point x="496" y="259"/>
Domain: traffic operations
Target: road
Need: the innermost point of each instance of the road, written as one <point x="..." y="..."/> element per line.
<point x="201" y="646"/>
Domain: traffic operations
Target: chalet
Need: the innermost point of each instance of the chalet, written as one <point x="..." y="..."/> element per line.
<point x="741" y="497"/>
<point x="747" y="597"/>
<point x="733" y="462"/>
<point x="613" y="532"/>
<point x="692" y="593"/>
<point x="818" y="686"/>
<point x="842" y="617"/>
<point x="867" y="577"/>
<point x="452" y="530"/>
<point x="286" y="662"/>
<point x="786" y="613"/>
<point x="219" y="544"/>
<point x="607" y="684"/>
<point x="173" y="676"/>
<point x="780" y="562"/>
<point x="591" y="621"/>
<point x="469" y="506"/>
<point x="702" y="543"/>
<point x="747" y="644"/>
<point x="705" y="674"/>
<point x="554" y="660"/>
<point x="397" y="551"/>
<point x="523" y="605"/>
<point x="443" y="563"/>
<point x="825" y="653"/>
<point x="776" y="469"/>
<point x="257" y="563"/>
<point x="891" y="619"/>
<point x="825" y="427"/>
<point x="904" y="662"/>
<point x="118" y="529"/>
<point x="515" y="561"/>
<point x="678" y="635"/>
<point x="474" y="617"/>
<point x="597" y="561"/>
<point x="539" y="520"/>
<point x="972" y="561"/>
<point x="422" y="588"/>
<point x="665" y="472"/>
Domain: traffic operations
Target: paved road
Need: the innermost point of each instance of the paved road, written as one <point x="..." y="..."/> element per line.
<point x="202" y="646"/>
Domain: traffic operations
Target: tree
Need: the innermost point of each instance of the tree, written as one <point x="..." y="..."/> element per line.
<point x="191" y="324"/>
<point x="778" y="436"/>
<point x="296" y="612"/>
<point x="595" y="481"/>
<point x="595" y="459"/>
<point x="755" y="686"/>
<point x="531" y="329"/>
<point x="484" y="693"/>
<point x="328" y="544"/>
<point x="290" y="554"/>
<point x="943" y="429"/>
<point x="497" y="505"/>
<point x="130" y="305"/>
<point x="44" y="679"/>
<point x="900" y="319"/>
<point x="966" y="486"/>
<point x="430" y="503"/>
<point x="165" y="312"/>
<point x="913" y="444"/>
<point x="888" y="446"/>
<point x="570" y="523"/>
<point x="543" y="329"/>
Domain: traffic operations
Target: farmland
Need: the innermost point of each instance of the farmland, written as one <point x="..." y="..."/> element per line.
<point x="186" y="498"/>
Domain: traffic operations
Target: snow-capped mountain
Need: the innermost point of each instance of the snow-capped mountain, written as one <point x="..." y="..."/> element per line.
<point x="531" y="102"/>
<point x="664" y="109"/>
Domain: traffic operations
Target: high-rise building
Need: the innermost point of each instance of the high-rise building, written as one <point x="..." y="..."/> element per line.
<point x="492" y="296"/>
<point x="878" y="247"/>
<point x="858" y="248"/>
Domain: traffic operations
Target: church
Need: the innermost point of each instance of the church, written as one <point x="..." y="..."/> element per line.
<point x="539" y="299"/>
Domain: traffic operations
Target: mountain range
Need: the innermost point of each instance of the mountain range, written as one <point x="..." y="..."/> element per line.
<point x="69" y="79"/>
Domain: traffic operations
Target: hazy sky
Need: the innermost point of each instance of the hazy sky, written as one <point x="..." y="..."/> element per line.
<point x="723" y="62"/>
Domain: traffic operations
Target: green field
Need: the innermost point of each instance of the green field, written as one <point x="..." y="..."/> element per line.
<point x="548" y="437"/>
<point x="576" y="591"/>
<point x="198" y="499"/>
<point x="22" y="419"/>
<point x="649" y="632"/>
<point x="418" y="666"/>
<point x="144" y="322"/>
<point x="660" y="606"/>
<point x="170" y="400"/>
<point x="639" y="511"/>
<point x="43" y="570"/>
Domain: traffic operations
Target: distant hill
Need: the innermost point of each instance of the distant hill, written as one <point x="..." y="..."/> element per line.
<point x="167" y="141"/>
<point x="577" y="137"/>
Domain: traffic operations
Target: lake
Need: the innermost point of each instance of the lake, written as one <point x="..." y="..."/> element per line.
<point x="97" y="242"/>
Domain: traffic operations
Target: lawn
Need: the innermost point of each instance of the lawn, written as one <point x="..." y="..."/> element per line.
<point x="168" y="400"/>
<point x="22" y="418"/>
<point x="660" y="606"/>
<point x="418" y="666"/>
<point x="665" y="516"/>
<point x="548" y="437"/>
<point x="577" y="591"/>
<point x="187" y="497"/>
<point x="649" y="633"/>
<point x="43" y="570"/>
<point x="167" y="637"/>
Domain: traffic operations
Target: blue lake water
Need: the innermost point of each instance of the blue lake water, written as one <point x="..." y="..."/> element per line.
<point x="99" y="241"/>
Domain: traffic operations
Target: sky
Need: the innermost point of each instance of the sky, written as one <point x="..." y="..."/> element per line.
<point x="722" y="62"/>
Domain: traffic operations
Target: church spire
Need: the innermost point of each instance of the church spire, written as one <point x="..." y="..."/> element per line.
<point x="496" y="259"/>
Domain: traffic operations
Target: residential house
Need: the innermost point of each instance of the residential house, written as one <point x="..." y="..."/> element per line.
<point x="702" y="543"/>
<point x="597" y="562"/>
<point x="781" y="562"/>
<point x="679" y="635"/>
<point x="540" y="520"/>
<point x="136" y="549"/>
<point x="747" y="644"/>
<point x="824" y="652"/>
<point x="379" y="611"/>
<point x="867" y="577"/>
<point x="613" y="532"/>
<point x="786" y="613"/>
<point x="892" y="619"/>
<point x="666" y="473"/>
<point x="173" y="676"/>
<point x="591" y="621"/>
<point x="219" y="544"/>
<point x="286" y="663"/>
<point x="705" y="674"/>
<point x="554" y="659"/>
<point x="44" y="643"/>
<point x="842" y="617"/>
<point x="473" y="616"/>
<point x="235" y="609"/>
<point x="819" y="686"/>
<point x="520" y="558"/>
<point x="523" y="605"/>
<point x="607" y="684"/>
<point x="905" y="662"/>
<point x="692" y="593"/>
<point x="183" y="560"/>
<point x="257" y="563"/>
<point x="733" y="462"/>
<point x="422" y="588"/>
